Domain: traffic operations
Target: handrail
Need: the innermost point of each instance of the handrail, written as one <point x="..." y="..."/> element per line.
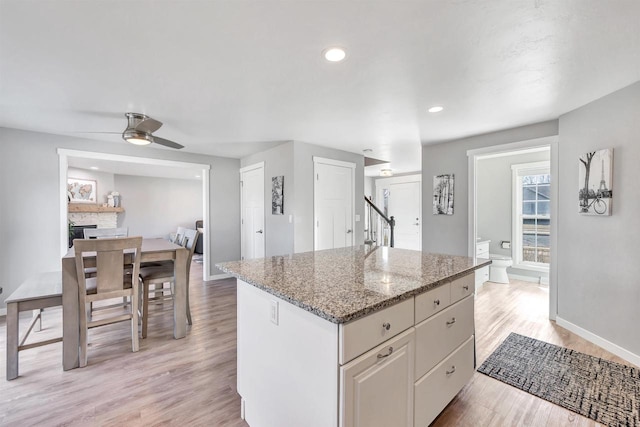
<point x="391" y="221"/>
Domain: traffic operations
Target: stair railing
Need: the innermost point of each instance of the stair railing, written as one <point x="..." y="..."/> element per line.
<point x="371" y="236"/>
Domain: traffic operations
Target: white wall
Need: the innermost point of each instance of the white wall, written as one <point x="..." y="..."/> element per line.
<point x="156" y="207"/>
<point x="30" y="200"/>
<point x="495" y="202"/>
<point x="598" y="257"/>
<point x="104" y="181"/>
<point x="449" y="233"/>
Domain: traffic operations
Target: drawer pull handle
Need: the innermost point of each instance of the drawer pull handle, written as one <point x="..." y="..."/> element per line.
<point x="382" y="356"/>
<point x="453" y="369"/>
<point x="436" y="302"/>
<point x="386" y="326"/>
<point x="465" y="287"/>
<point x="451" y="322"/>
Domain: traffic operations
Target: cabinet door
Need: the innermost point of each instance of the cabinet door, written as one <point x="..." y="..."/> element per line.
<point x="377" y="387"/>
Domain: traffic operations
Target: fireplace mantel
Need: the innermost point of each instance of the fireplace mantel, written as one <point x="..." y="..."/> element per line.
<point x="91" y="208"/>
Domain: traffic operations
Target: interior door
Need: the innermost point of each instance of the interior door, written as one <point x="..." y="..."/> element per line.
<point x="333" y="206"/>
<point x="252" y="221"/>
<point x="405" y="206"/>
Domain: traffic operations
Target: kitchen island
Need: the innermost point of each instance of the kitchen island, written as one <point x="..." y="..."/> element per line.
<point x="356" y="336"/>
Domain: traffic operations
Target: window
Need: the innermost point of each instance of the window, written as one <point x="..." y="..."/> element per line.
<point x="531" y="207"/>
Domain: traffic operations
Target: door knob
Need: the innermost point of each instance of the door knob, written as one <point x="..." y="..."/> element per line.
<point x="259" y="231"/>
<point x="348" y="231"/>
<point x="417" y="223"/>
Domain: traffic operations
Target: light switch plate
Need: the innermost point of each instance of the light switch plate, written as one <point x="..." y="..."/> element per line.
<point x="357" y="218"/>
<point x="290" y="219"/>
<point x="505" y="244"/>
<point x="274" y="312"/>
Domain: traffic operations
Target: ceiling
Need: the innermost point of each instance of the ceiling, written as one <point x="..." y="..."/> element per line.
<point x="234" y="77"/>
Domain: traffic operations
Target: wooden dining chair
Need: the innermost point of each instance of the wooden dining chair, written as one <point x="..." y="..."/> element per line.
<point x="112" y="258"/>
<point x="158" y="275"/>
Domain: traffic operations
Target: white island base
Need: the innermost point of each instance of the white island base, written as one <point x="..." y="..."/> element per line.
<point x="399" y="366"/>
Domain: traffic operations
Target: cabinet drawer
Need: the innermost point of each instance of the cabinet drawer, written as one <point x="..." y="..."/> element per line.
<point x="363" y="334"/>
<point x="433" y="301"/>
<point x="377" y="387"/>
<point x="482" y="247"/>
<point x="436" y="389"/>
<point x="439" y="335"/>
<point x="461" y="287"/>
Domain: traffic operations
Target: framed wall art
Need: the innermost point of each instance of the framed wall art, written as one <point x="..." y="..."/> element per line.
<point x="81" y="190"/>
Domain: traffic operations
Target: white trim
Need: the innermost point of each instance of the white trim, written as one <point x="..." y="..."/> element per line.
<point x="599" y="341"/>
<point x="398" y="180"/>
<point x="220" y="276"/>
<point x="321" y="160"/>
<point x="532" y="279"/>
<point x="204" y="169"/>
<point x="251" y="167"/>
<point x="473" y="155"/>
<point x="333" y="162"/>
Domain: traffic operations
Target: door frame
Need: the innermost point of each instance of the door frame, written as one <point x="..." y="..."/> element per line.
<point x="473" y="155"/>
<point x="322" y="160"/>
<point x="259" y="165"/>
<point x="202" y="169"/>
<point x="382" y="183"/>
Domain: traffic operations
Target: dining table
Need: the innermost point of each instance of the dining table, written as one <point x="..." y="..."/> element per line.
<point x="152" y="250"/>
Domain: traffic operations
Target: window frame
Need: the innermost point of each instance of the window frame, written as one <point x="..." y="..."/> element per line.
<point x="517" y="172"/>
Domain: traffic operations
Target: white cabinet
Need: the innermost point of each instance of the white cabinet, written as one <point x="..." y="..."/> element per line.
<point x="377" y="387"/>
<point x="482" y="253"/>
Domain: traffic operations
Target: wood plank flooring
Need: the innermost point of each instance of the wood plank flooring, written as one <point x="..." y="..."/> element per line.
<point x="192" y="381"/>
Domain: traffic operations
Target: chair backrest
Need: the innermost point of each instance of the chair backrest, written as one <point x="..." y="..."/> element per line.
<point x="111" y="257"/>
<point x="105" y="233"/>
<point x="188" y="238"/>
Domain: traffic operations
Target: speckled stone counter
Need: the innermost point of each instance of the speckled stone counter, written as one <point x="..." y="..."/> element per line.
<point x="341" y="285"/>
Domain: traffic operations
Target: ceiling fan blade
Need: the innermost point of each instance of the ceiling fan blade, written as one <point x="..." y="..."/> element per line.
<point x="167" y="143"/>
<point x="148" y="125"/>
<point x="98" y="132"/>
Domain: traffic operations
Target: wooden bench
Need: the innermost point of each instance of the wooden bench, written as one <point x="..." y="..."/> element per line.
<point x="36" y="293"/>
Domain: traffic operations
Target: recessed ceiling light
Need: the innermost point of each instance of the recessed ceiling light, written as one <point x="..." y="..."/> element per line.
<point x="95" y="168"/>
<point x="197" y="176"/>
<point x="386" y="172"/>
<point x="436" y="109"/>
<point x="367" y="150"/>
<point x="334" y="54"/>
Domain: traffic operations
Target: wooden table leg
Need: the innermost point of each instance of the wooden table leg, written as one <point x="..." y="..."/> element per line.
<point x="180" y="296"/>
<point x="13" y="333"/>
<point x="70" y="315"/>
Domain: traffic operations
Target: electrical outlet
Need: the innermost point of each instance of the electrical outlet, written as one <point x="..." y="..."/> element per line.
<point x="274" y="312"/>
<point x="357" y="218"/>
<point x="505" y="244"/>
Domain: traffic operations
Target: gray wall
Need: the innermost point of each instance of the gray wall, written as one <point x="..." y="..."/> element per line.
<point x="278" y="231"/>
<point x="303" y="154"/>
<point x="449" y="233"/>
<point x="598" y="257"/>
<point x="104" y="181"/>
<point x="30" y="206"/>
<point x="156" y="207"/>
<point x="494" y="200"/>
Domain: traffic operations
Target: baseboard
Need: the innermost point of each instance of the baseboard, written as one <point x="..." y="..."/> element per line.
<point x="532" y="279"/>
<point x="597" y="340"/>
<point x="219" y="276"/>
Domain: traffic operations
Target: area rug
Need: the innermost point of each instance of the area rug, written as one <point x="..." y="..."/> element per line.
<point x="604" y="391"/>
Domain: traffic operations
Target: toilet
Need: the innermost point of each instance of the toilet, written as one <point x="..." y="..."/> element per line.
<point x="498" y="268"/>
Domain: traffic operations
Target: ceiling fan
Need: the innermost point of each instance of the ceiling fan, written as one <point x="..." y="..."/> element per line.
<point x="140" y="129"/>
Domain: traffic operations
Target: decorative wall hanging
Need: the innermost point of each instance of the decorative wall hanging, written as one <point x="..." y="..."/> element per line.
<point x="81" y="190"/>
<point x="443" y="194"/>
<point x="277" y="195"/>
<point x="595" y="172"/>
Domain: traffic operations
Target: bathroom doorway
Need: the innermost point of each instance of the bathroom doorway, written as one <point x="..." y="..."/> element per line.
<point x="512" y="220"/>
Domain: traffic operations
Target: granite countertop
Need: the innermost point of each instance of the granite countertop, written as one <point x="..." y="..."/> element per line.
<point x="341" y="285"/>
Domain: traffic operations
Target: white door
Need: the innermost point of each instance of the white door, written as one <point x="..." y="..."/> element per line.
<point x="405" y="206"/>
<point x="333" y="197"/>
<point x="377" y="388"/>
<point x="252" y="221"/>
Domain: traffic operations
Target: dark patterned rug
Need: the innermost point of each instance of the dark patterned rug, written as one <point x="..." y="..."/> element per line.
<point x="604" y="391"/>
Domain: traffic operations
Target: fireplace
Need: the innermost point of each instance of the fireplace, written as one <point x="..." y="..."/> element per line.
<point x="77" y="232"/>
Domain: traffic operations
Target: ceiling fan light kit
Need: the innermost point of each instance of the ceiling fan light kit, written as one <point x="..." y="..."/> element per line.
<point x="140" y="128"/>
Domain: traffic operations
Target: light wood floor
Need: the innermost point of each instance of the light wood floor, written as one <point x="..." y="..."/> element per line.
<point x="192" y="381"/>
